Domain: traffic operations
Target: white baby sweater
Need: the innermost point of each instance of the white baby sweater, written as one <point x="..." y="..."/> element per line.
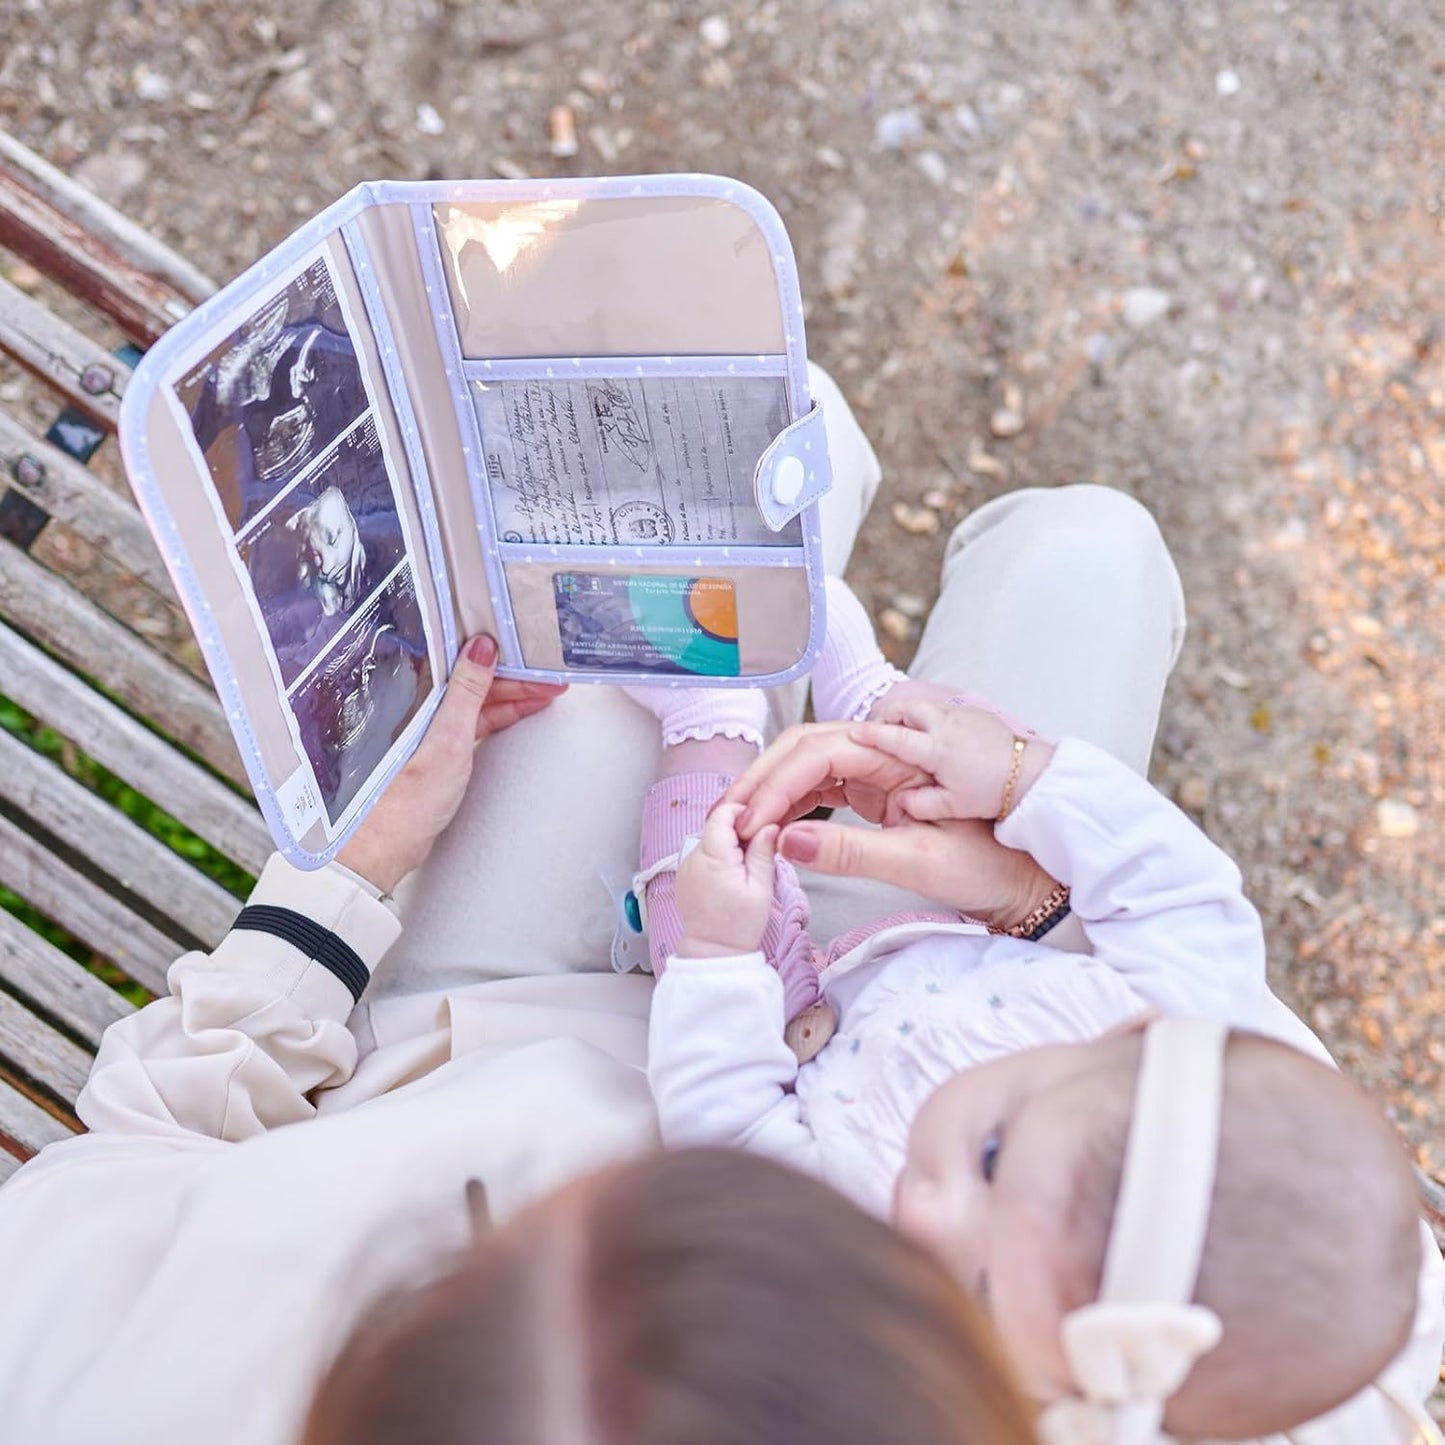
<point x="1168" y="924"/>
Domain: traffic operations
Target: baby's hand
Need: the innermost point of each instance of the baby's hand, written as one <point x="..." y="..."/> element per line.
<point x="969" y="753"/>
<point x="725" y="892"/>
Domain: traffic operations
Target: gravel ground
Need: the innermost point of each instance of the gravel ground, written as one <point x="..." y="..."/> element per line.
<point x="1194" y="252"/>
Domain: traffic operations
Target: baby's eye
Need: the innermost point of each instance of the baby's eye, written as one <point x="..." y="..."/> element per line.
<point x="988" y="1159"/>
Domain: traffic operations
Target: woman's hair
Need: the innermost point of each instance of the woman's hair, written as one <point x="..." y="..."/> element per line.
<point x="699" y="1297"/>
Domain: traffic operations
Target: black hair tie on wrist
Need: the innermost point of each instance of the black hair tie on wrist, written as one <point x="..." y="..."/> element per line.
<point x="319" y="944"/>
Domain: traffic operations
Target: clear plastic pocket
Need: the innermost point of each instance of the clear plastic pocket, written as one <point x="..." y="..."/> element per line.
<point x="615" y="454"/>
<point x="611" y="614"/>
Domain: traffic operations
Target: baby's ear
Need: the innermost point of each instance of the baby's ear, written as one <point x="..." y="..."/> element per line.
<point x="294" y="521"/>
<point x="1135" y="1025"/>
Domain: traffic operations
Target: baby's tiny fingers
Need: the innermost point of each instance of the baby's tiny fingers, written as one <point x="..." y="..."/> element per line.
<point x="906" y="744"/>
<point x="927" y="805"/>
<point x="913" y="712"/>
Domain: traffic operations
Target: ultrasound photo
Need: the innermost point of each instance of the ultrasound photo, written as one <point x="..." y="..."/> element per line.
<point x="358" y="701"/>
<point x="323" y="549"/>
<point x="275" y="394"/>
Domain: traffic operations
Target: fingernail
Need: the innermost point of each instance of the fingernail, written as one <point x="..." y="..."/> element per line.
<point x="482" y="650"/>
<point x="800" y="844"/>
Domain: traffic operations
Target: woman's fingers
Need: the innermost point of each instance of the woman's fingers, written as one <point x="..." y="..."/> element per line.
<point x="510" y="701"/>
<point x="890" y="855"/>
<point x="825" y="767"/>
<point x="459" y="714"/>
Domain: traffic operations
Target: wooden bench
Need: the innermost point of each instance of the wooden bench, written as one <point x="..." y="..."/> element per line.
<point x="94" y="648"/>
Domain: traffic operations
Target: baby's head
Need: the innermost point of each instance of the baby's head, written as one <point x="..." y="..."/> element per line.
<point x="1311" y="1253"/>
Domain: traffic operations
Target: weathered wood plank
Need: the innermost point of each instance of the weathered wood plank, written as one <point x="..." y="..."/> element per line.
<point x="58" y="697"/>
<point x="83" y="908"/>
<point x="121" y="234"/>
<point x="41" y="974"/>
<point x="86" y="823"/>
<point x="25" y="1128"/>
<point x="80" y="261"/>
<point x="40" y="1054"/>
<point x="8" y="1163"/>
<point x="80" y="369"/>
<point x="61" y="486"/>
<point x="40" y="604"/>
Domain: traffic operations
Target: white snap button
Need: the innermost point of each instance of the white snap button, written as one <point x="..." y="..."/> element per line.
<point x="788" y="479"/>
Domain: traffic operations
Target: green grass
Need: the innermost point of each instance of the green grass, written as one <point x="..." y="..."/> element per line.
<point x="140" y="810"/>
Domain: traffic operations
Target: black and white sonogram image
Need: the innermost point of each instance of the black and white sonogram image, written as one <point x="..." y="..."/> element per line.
<point x="358" y="701"/>
<point x="323" y="549"/>
<point x="275" y="394"/>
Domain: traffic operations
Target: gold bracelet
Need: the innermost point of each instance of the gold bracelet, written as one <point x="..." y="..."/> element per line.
<point x="1038" y="921"/>
<point x="1013" y="776"/>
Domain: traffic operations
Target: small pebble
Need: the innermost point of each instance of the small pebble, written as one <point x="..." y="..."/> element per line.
<point x="894" y="625"/>
<point x="1226" y="83"/>
<point x="1193" y="794"/>
<point x="933" y="166"/>
<point x="910" y="604"/>
<point x="593" y="81"/>
<point x="428" y="120"/>
<point x="827" y="156"/>
<point x="150" y="86"/>
<point x="1395" y="818"/>
<point x="981" y="462"/>
<point x="715" y="32"/>
<point x="1098" y="347"/>
<point x="921" y="521"/>
<point x="1005" y="423"/>
<point x="936" y="498"/>
<point x="1143" y="306"/>
<point x="965" y="117"/>
<point x="897" y="128"/>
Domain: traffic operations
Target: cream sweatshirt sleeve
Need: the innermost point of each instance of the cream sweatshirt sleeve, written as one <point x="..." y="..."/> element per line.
<point x="248" y="1031"/>
<point x="1160" y="903"/>
<point x="719" y="1069"/>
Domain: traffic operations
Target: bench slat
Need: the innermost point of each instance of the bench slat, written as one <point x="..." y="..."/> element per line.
<point x="86" y="823"/>
<point x="59" y="354"/>
<point x="40" y="972"/>
<point x="25" y="1128"/>
<point x="103" y="221"/>
<point x="63" y="250"/>
<point x="40" y="604"/>
<point x="39" y="1053"/>
<point x="58" y="697"/>
<point x="83" y="908"/>
<point x="77" y="497"/>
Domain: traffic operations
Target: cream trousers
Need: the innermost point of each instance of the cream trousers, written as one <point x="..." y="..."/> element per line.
<point x="1062" y="605"/>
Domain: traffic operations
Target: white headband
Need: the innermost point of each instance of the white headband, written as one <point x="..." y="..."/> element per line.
<point x="1133" y="1348"/>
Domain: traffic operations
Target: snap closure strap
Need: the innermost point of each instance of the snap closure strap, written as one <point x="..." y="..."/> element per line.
<point x="794" y="472"/>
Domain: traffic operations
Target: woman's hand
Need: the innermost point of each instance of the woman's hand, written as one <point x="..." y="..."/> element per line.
<point x="725" y="890"/>
<point x="959" y="864"/>
<point x="424" y="796"/>
<point x="819" y="765"/>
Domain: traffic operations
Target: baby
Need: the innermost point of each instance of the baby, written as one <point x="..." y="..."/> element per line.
<point x="1004" y="1092"/>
